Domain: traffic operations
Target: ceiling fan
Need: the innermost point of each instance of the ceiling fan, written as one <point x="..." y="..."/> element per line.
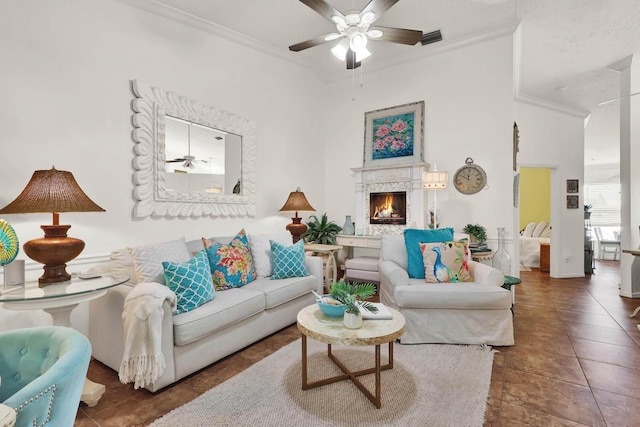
<point x="188" y="161"/>
<point x="355" y="30"/>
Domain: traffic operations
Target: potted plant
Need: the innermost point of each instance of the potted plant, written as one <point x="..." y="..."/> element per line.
<point x="587" y="211"/>
<point x="321" y="230"/>
<point x="476" y="232"/>
<point x="353" y="296"/>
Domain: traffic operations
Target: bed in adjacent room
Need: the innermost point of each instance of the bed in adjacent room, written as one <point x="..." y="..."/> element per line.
<point x="530" y="239"/>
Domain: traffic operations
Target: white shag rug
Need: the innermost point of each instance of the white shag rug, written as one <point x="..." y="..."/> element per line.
<point x="429" y="385"/>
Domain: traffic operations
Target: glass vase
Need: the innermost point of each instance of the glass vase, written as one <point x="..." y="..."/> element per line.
<point x="348" y="228"/>
<point x="501" y="259"/>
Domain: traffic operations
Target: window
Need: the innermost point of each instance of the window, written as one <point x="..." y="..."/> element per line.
<point x="605" y="200"/>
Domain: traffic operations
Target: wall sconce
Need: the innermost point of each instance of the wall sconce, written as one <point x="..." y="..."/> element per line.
<point x="435" y="180"/>
<point x="297" y="202"/>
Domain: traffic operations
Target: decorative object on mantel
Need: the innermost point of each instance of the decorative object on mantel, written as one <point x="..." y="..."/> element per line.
<point x="52" y="191"/>
<point x="355" y="30"/>
<point x="394" y="135"/>
<point x="297" y="202"/>
<point x="435" y="180"/>
<point x="502" y="259"/>
<point x="348" y="227"/>
<point x="321" y="231"/>
<point x="470" y="178"/>
<point x="353" y="296"/>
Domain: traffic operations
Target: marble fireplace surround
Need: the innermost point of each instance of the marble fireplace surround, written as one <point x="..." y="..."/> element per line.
<point x="406" y="178"/>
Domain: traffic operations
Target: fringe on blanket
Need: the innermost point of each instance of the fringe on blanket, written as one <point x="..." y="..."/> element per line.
<point x="142" y="370"/>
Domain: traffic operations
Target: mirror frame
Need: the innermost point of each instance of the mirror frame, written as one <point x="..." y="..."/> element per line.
<point x="150" y="107"/>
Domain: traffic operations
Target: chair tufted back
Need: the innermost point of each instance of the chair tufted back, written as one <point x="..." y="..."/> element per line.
<point x="43" y="371"/>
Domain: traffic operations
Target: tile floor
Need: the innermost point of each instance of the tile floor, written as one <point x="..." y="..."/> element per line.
<point x="576" y="362"/>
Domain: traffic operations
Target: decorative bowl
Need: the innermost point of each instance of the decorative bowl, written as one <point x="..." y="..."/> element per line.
<point x="331" y="310"/>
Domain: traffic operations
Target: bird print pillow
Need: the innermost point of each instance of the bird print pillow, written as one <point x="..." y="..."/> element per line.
<point x="446" y="262"/>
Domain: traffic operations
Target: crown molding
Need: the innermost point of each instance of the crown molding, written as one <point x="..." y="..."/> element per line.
<point x="554" y="106"/>
<point x="625" y="63"/>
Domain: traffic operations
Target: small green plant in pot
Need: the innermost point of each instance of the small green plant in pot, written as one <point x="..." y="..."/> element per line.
<point x="476" y="231"/>
<point x="353" y="296"/>
<point x="321" y="230"/>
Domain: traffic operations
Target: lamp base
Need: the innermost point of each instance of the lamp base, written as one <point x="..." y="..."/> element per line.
<point x="54" y="250"/>
<point x="296" y="228"/>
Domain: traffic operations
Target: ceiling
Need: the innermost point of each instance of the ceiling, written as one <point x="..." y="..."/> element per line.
<point x="567" y="46"/>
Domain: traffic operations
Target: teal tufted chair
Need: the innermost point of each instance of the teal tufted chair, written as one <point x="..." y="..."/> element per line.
<point x="43" y="371"/>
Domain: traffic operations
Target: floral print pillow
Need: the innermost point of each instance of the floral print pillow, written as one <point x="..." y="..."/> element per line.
<point x="446" y="262"/>
<point x="231" y="265"/>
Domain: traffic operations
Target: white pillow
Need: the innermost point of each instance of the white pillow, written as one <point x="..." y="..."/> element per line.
<point x="260" y="247"/>
<point x="537" y="232"/>
<point x="148" y="259"/>
<point x="122" y="265"/>
<point x="528" y="231"/>
<point x="547" y="231"/>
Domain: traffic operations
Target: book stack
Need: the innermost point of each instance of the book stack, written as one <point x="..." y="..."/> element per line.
<point x="383" y="313"/>
<point x="479" y="248"/>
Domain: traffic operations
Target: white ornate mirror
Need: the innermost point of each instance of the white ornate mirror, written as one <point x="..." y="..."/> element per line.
<point x="190" y="159"/>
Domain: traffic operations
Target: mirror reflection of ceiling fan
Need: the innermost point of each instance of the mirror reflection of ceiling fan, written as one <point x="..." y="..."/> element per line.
<point x="355" y="30"/>
<point x="188" y="161"/>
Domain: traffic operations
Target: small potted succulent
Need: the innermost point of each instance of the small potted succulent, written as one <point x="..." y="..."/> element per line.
<point x="476" y="232"/>
<point x="321" y="230"/>
<point x="587" y="211"/>
<point x="353" y="296"/>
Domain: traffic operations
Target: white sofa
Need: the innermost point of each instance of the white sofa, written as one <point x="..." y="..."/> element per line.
<point x="193" y="340"/>
<point x="477" y="312"/>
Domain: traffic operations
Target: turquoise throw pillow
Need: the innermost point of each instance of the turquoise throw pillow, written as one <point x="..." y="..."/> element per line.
<point x="412" y="239"/>
<point x="287" y="261"/>
<point x="191" y="281"/>
<point x="231" y="265"/>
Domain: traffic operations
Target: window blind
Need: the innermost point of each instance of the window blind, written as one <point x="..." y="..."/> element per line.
<point x="605" y="200"/>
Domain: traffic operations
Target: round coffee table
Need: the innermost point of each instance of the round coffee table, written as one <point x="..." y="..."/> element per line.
<point x="330" y="330"/>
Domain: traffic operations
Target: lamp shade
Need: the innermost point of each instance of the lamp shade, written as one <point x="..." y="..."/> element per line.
<point x="52" y="191"/>
<point x="435" y="180"/>
<point x="297" y="202"/>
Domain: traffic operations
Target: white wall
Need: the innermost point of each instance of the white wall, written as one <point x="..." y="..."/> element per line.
<point x="66" y="101"/>
<point x="468" y="94"/>
<point x="555" y="139"/>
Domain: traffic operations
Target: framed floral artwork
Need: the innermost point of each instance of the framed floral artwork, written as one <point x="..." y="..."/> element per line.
<point x="394" y="135"/>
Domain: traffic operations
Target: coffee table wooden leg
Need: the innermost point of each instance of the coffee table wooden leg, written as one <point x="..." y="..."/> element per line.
<point x="304" y="362"/>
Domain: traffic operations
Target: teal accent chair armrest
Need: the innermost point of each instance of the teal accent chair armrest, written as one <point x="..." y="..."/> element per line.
<point x="43" y="370"/>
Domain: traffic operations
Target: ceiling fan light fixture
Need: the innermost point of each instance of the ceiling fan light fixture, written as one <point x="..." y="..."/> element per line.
<point x="362" y="54"/>
<point x="358" y="41"/>
<point x="374" y="34"/>
<point x="339" y="20"/>
<point x="340" y="50"/>
<point x="368" y="17"/>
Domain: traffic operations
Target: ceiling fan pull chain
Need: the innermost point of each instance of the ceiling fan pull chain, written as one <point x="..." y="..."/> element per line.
<point x="353" y="84"/>
<point x="361" y="80"/>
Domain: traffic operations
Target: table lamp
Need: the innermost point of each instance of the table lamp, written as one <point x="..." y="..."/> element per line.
<point x="52" y="191"/>
<point x="435" y="180"/>
<point x="297" y="202"/>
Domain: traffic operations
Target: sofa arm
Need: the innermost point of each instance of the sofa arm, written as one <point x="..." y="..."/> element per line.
<point x="314" y="267"/>
<point x="485" y="274"/>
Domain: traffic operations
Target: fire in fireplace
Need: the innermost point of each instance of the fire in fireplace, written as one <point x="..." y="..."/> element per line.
<point x="388" y="208"/>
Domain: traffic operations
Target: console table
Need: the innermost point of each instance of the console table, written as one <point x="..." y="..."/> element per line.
<point x="59" y="300"/>
<point x="328" y="254"/>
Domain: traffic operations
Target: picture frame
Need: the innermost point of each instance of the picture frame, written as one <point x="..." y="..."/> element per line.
<point x="394" y="136"/>
<point x="572" y="202"/>
<point x="572" y="186"/>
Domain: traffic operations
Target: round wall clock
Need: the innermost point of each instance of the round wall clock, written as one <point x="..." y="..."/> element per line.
<point x="470" y="178"/>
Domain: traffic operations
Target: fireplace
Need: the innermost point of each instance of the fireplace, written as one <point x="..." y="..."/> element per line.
<point x="389" y="207"/>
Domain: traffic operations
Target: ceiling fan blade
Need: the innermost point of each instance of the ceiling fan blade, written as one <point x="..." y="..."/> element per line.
<point x="311" y="43"/>
<point x="174" y="161"/>
<point x="350" y="59"/>
<point x="325" y="9"/>
<point x="378" y="7"/>
<point x="398" y="35"/>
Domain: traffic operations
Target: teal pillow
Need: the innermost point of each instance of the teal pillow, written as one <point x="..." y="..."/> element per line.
<point x="412" y="239"/>
<point x="231" y="265"/>
<point x="190" y="281"/>
<point x="287" y="261"/>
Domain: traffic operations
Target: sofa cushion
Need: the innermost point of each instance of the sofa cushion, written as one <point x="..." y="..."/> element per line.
<point x="147" y="259"/>
<point x="228" y="308"/>
<point x="122" y="265"/>
<point x="393" y="249"/>
<point x="412" y="239"/>
<point x="191" y="282"/>
<point x="231" y="265"/>
<point x="261" y="250"/>
<point x="458" y="296"/>
<point x="287" y="261"/>
<point x="446" y="262"/>
<point x="278" y="292"/>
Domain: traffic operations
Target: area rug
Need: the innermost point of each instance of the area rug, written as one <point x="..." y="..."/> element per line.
<point x="429" y="385"/>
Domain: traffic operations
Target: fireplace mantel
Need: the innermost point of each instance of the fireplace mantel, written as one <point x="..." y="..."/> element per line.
<point x="406" y="178"/>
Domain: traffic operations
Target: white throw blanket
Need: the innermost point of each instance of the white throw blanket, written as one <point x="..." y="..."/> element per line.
<point x="142" y="361"/>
